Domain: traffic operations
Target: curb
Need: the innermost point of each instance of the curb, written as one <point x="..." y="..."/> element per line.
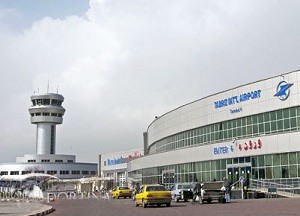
<point x="45" y="212"/>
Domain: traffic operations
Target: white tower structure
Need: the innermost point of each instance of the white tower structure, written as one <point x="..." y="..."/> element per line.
<point x="46" y="112"/>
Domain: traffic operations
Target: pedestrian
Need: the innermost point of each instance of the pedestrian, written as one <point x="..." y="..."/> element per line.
<point x="245" y="189"/>
<point x="197" y="190"/>
<point x="227" y="190"/>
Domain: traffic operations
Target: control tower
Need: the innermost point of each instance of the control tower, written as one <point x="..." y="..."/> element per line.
<point x="46" y="112"/>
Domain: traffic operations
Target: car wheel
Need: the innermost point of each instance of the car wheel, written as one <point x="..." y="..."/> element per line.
<point x="176" y="199"/>
<point x="118" y="197"/>
<point x="144" y="204"/>
<point x="168" y="204"/>
<point x="136" y="204"/>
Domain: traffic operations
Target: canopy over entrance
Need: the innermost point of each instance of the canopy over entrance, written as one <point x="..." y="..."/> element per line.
<point x="28" y="176"/>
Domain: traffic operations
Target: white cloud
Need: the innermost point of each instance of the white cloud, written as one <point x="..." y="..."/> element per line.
<point x="124" y="62"/>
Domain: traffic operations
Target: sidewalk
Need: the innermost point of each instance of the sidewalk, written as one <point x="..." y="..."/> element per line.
<point x="24" y="208"/>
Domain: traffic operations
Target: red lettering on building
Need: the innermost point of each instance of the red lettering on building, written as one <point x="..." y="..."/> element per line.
<point x="250" y="145"/>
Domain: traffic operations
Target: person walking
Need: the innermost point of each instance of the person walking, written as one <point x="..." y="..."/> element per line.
<point x="196" y="191"/>
<point x="228" y="190"/>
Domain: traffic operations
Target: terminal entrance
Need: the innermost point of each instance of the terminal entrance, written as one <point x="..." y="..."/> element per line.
<point x="168" y="177"/>
<point x="235" y="171"/>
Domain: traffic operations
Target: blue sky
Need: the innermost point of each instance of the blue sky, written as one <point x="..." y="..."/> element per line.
<point x="120" y="63"/>
<point x="35" y="9"/>
<point x="27" y="11"/>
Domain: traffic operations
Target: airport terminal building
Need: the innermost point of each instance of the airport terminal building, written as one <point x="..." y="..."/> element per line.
<point x="114" y="166"/>
<point x="251" y="130"/>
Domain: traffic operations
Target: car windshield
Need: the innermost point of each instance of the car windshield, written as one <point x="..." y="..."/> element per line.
<point x="185" y="186"/>
<point x="123" y="188"/>
<point x="189" y="186"/>
<point x="156" y="188"/>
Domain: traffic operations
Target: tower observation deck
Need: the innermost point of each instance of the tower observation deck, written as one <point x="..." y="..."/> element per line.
<point x="46" y="112"/>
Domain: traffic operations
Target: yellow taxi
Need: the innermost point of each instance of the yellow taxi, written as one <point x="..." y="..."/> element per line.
<point x="153" y="195"/>
<point x="121" y="192"/>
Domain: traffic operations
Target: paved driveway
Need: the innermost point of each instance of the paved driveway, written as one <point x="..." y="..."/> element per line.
<point x="126" y="207"/>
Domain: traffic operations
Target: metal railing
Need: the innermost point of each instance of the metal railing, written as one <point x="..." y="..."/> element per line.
<point x="285" y="187"/>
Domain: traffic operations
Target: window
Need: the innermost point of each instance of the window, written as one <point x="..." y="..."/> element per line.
<point x="273" y="116"/>
<point x="53" y="102"/>
<point x="85" y="172"/>
<point x="70" y="161"/>
<point x="267" y="127"/>
<point x="39" y="171"/>
<point x="286" y="113"/>
<point x="293" y="171"/>
<point x="25" y="172"/>
<point x="284" y="159"/>
<point x="14" y="172"/>
<point x="46" y="101"/>
<point x="64" y="172"/>
<point x="261" y="161"/>
<point x="58" y="161"/>
<point x="45" y="161"/>
<point x="266" y="117"/>
<point x="280" y="125"/>
<point x="293" y="112"/>
<point x="235" y="160"/>
<point x="52" y="172"/>
<point x="260" y="124"/>
<point x="293" y="122"/>
<point x="268" y="159"/>
<point x="75" y="172"/>
<point x="31" y="161"/>
<point x="292" y="158"/>
<point x="276" y="159"/>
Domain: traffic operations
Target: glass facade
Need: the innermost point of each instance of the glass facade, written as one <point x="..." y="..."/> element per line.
<point x="273" y="166"/>
<point x="269" y="166"/>
<point x="261" y="124"/>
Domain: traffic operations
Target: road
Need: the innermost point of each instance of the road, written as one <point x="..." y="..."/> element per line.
<point x="126" y="207"/>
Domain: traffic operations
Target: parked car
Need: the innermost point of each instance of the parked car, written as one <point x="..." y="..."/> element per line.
<point x="153" y="195"/>
<point x="212" y="191"/>
<point x="177" y="191"/>
<point x="121" y="192"/>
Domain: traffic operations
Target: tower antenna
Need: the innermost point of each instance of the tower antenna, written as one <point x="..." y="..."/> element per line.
<point x="57" y="89"/>
<point x="48" y="87"/>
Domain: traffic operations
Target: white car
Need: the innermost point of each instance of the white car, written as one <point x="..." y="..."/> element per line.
<point x="177" y="191"/>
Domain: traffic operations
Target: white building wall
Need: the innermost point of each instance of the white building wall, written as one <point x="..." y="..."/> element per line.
<point x="203" y="112"/>
<point x="51" y="167"/>
<point x="119" y="170"/>
<point x="270" y="144"/>
<point x="117" y="155"/>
